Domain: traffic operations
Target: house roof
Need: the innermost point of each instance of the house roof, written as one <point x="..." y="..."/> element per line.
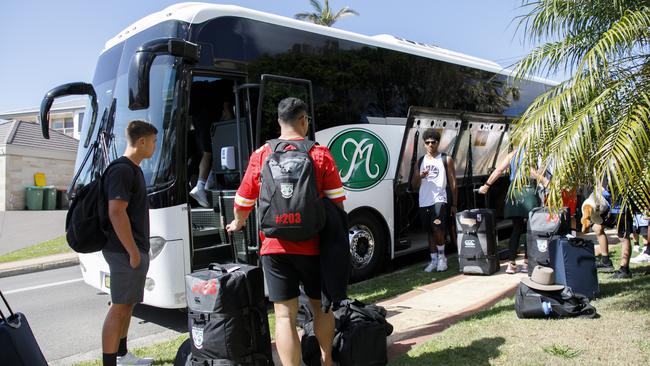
<point x="28" y="134"/>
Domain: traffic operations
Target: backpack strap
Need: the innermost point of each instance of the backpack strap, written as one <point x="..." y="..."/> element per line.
<point x="301" y="145"/>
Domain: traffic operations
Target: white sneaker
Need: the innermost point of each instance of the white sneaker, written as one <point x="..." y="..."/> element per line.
<point x="200" y="196"/>
<point x="432" y="265"/>
<point x="131" y="359"/>
<point x="641" y="258"/>
<point x="442" y="263"/>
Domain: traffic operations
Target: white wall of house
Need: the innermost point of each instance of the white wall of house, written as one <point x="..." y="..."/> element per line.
<point x="3" y="180"/>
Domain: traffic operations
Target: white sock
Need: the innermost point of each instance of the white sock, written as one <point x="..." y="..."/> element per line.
<point x="434" y="257"/>
<point x="200" y="184"/>
<point x="441" y="249"/>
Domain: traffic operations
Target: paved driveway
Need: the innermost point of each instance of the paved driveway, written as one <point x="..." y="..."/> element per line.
<point x="20" y="229"/>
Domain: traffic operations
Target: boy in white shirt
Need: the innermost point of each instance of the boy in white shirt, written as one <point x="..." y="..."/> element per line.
<point x="436" y="180"/>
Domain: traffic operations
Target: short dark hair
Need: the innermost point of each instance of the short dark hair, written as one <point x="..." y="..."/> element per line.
<point x="430" y="133"/>
<point x="289" y="109"/>
<point x="137" y="129"/>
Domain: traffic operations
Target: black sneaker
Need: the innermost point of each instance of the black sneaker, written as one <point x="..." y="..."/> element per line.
<point x="622" y="274"/>
<point x="605" y="267"/>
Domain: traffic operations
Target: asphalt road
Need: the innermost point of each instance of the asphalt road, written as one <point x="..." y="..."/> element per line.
<point x="66" y="315"/>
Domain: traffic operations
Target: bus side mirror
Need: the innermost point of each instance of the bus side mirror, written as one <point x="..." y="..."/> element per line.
<point x="143" y="59"/>
<point x="61" y="91"/>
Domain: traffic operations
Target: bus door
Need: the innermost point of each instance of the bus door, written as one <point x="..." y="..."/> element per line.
<point x="483" y="139"/>
<point x="274" y="88"/>
<point x="411" y="236"/>
<point x="219" y="144"/>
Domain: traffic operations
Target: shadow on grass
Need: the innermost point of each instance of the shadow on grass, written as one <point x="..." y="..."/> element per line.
<point x="632" y="294"/>
<point x="389" y="285"/>
<point x="493" y="311"/>
<point x="478" y="353"/>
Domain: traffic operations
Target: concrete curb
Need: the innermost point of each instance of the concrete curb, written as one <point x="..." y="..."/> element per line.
<point x="39" y="266"/>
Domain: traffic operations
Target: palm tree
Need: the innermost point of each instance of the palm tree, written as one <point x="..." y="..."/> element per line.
<point x="593" y="128"/>
<point x="323" y="14"/>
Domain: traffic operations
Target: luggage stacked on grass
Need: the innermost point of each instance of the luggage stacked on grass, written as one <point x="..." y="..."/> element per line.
<point x="359" y="339"/>
<point x="477" y="241"/>
<point x="574" y="263"/>
<point x="17" y="343"/>
<point x="532" y="303"/>
<point x="227" y="316"/>
<point x="543" y="226"/>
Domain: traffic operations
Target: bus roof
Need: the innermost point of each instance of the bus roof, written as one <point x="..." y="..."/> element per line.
<point x="195" y="13"/>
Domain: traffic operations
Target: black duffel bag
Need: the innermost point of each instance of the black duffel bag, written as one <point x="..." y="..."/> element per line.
<point x="359" y="338"/>
<point x="532" y="303"/>
<point x="227" y="316"/>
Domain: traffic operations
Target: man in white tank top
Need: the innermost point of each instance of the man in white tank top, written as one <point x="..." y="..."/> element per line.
<point x="437" y="197"/>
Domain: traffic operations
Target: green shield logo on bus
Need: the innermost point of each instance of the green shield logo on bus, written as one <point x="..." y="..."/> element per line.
<point x="361" y="157"/>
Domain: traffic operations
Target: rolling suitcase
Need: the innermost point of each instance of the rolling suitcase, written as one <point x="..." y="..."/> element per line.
<point x="543" y="226"/>
<point x="574" y="263"/>
<point x="227" y="316"/>
<point x="477" y="241"/>
<point x="17" y="342"/>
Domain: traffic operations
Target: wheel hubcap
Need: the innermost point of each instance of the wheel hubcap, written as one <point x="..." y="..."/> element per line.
<point x="362" y="245"/>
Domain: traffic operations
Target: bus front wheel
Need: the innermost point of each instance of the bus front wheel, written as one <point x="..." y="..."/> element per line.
<point x="367" y="245"/>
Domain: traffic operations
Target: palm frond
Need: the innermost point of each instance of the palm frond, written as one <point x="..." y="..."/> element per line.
<point x="346" y="11"/>
<point x="622" y="38"/>
<point x="316" y="5"/>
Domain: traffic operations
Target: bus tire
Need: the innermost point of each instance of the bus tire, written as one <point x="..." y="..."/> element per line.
<point x="367" y="245"/>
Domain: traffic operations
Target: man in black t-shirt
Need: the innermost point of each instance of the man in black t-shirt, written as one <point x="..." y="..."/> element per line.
<point x="127" y="248"/>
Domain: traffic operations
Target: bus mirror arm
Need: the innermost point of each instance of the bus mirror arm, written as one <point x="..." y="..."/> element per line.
<point x="78" y="88"/>
<point x="143" y="59"/>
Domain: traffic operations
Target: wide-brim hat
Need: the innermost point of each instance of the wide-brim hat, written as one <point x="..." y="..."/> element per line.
<point x="543" y="279"/>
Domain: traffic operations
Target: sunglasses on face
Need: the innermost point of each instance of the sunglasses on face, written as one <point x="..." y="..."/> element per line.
<point x="431" y="142"/>
<point x="307" y="118"/>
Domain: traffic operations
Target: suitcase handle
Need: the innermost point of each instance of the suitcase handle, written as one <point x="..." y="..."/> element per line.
<point x="12" y="320"/>
<point x="224" y="270"/>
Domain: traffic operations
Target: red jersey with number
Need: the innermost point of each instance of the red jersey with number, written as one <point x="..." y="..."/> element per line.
<point x="328" y="183"/>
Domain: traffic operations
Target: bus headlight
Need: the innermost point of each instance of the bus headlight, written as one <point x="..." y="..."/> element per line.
<point x="156" y="245"/>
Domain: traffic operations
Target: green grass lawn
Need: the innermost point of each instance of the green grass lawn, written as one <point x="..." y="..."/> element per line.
<point x="496" y="337"/>
<point x="54" y="246"/>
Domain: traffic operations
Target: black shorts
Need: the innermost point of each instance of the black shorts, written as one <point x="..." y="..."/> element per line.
<point x="285" y="272"/>
<point x="625" y="226"/>
<point x="127" y="284"/>
<point x="202" y="133"/>
<point x="438" y="211"/>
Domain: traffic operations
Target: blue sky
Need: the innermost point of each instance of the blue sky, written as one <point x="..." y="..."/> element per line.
<point x="46" y="43"/>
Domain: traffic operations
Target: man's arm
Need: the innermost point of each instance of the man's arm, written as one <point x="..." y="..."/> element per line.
<point x="240" y="220"/>
<point x="416" y="178"/>
<point x="451" y="178"/>
<point x="122" y="226"/>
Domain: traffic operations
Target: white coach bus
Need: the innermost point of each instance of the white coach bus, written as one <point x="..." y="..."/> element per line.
<point x="370" y="98"/>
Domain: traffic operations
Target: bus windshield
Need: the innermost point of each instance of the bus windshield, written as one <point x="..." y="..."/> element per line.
<point x="159" y="170"/>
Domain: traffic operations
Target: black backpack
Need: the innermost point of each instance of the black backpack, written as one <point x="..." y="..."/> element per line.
<point x="360" y="336"/>
<point x="87" y="218"/>
<point x="531" y="303"/>
<point x="290" y="206"/>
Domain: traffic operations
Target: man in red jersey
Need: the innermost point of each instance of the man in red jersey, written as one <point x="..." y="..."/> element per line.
<point x="286" y="264"/>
